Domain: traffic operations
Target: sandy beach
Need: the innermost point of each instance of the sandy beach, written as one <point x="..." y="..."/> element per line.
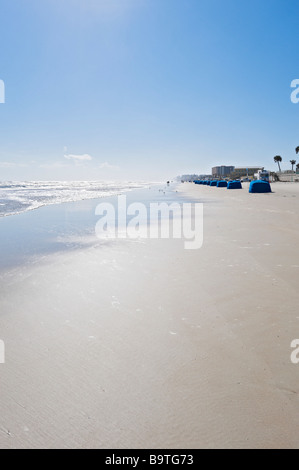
<point x="142" y="344"/>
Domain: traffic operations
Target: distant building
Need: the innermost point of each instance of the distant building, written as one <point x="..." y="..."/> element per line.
<point x="188" y="177"/>
<point x="205" y="177"/>
<point x="191" y="178"/>
<point x="222" y="171"/>
<point x="288" y="176"/>
<point x="243" y="172"/>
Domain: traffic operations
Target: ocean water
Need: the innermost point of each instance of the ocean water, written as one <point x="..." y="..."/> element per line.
<point x="18" y="197"/>
<point x="63" y="223"/>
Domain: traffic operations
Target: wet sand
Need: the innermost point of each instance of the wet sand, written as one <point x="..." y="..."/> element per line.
<point x="143" y="344"/>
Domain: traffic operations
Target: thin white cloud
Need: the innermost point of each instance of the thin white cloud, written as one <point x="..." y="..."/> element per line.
<point x="107" y="166"/>
<point x="53" y="166"/>
<point x="78" y="158"/>
<point x="12" y="165"/>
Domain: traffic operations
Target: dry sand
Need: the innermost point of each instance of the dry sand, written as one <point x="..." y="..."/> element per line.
<point x="142" y="344"/>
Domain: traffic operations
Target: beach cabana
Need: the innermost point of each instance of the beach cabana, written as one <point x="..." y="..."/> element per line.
<point x="234" y="185"/>
<point x="213" y="183"/>
<point x="260" y="187"/>
<point x="222" y="184"/>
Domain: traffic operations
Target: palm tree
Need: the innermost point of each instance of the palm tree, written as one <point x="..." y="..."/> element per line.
<point x="293" y="162"/>
<point x="277" y="160"/>
<point x="297" y="149"/>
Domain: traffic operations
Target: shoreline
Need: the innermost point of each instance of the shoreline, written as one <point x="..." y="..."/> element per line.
<point x="120" y="191"/>
<point x="54" y="227"/>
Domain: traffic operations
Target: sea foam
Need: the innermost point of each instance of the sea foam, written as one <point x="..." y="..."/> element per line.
<point x="17" y="197"/>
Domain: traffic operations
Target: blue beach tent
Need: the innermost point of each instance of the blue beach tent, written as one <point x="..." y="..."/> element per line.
<point x="213" y="183"/>
<point x="222" y="184"/>
<point x="260" y="187"/>
<point x="234" y="185"/>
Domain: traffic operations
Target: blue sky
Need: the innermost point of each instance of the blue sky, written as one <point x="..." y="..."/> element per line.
<point x="145" y="89"/>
